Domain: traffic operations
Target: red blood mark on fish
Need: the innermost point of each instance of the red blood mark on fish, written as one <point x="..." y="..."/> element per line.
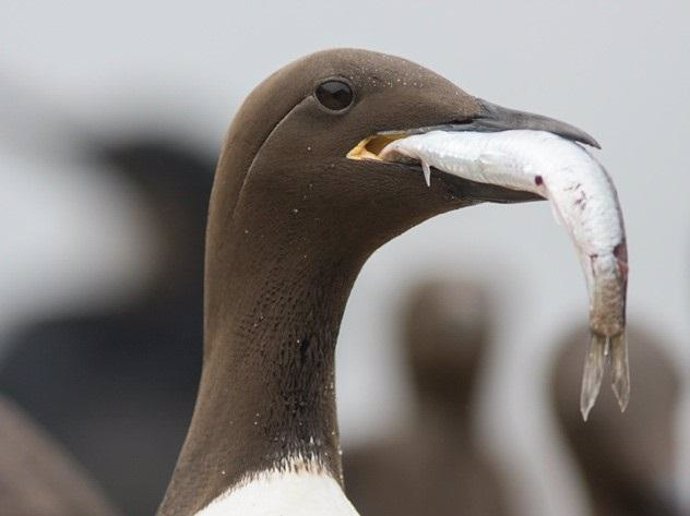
<point x="538" y="180"/>
<point x="621" y="254"/>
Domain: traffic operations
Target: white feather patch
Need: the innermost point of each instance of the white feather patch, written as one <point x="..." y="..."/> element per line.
<point x="291" y="490"/>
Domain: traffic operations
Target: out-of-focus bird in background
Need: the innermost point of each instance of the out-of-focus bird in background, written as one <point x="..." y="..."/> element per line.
<point x="435" y="464"/>
<point x="627" y="461"/>
<point x="117" y="384"/>
<point x="37" y="477"/>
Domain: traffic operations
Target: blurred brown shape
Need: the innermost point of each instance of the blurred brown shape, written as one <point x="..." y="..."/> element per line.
<point x="626" y="460"/>
<point x="37" y="478"/>
<point x="433" y="465"/>
<point x="117" y="384"/>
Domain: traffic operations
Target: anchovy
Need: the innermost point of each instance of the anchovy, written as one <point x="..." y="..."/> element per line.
<point x="584" y="201"/>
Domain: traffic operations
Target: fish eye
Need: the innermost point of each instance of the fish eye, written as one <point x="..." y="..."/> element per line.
<point x="335" y="95"/>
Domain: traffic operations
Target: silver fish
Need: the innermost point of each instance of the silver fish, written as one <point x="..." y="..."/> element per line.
<point x="583" y="199"/>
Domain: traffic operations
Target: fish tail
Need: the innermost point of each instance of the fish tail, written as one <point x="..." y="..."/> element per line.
<point x="620" y="373"/>
<point x="595" y="362"/>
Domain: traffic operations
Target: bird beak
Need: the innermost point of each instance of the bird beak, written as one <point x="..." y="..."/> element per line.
<point x="493" y="118"/>
<point x="490" y="118"/>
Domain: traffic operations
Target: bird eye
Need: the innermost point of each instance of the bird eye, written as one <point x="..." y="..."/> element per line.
<point x="334" y="95"/>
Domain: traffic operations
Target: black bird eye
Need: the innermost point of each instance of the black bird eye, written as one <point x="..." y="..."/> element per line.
<point x="335" y="95"/>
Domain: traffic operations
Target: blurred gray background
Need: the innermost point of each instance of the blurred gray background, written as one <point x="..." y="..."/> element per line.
<point x="617" y="69"/>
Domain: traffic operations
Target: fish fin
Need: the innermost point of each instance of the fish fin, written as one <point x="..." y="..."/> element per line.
<point x="593" y="373"/>
<point x="620" y="371"/>
<point x="427" y="173"/>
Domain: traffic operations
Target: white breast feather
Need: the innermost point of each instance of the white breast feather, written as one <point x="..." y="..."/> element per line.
<point x="296" y="491"/>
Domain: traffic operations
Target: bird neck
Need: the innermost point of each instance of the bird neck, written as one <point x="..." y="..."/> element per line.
<point x="266" y="399"/>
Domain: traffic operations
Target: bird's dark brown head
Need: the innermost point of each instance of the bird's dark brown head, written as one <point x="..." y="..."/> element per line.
<point x="287" y="148"/>
<point x="294" y="170"/>
<point x="286" y="154"/>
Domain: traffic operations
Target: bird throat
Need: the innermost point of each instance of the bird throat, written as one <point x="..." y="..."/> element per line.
<point x="267" y="393"/>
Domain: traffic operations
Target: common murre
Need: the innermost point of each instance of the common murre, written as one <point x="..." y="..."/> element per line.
<point x="294" y="214"/>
